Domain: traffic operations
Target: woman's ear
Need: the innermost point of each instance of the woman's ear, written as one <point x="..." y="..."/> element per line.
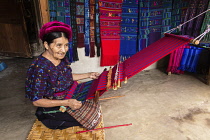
<point x="46" y="45"/>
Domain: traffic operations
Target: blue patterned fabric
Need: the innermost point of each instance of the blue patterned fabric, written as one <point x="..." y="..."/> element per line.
<point x="87" y="28"/>
<point x="44" y="78"/>
<point x="129" y="29"/>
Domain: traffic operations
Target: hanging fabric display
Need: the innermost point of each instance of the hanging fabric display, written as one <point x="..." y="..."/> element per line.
<point x="87" y="28"/>
<point x="190" y="59"/>
<point x="110" y="18"/>
<point x="176" y="13"/>
<point x="97" y="29"/>
<point x="206" y="22"/>
<point x="92" y="28"/>
<point x="74" y="29"/>
<point x="150" y="22"/>
<point x="80" y="22"/>
<point x="191" y="12"/>
<point x="129" y="29"/>
<point x="202" y="6"/>
<point x="166" y="21"/>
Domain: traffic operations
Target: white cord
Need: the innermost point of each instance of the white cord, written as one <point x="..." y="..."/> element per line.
<point x="179" y="26"/>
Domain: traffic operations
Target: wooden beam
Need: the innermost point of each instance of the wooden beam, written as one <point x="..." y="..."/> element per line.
<point x="44" y="11"/>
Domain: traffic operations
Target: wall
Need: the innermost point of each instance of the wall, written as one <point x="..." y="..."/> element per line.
<point x="87" y="64"/>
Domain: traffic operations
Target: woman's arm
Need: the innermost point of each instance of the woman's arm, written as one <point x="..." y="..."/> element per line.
<point x="92" y="75"/>
<point x="72" y="103"/>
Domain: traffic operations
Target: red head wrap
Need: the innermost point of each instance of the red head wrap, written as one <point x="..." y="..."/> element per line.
<point x="55" y="26"/>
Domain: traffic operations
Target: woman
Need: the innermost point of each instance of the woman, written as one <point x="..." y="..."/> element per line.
<point x="50" y="73"/>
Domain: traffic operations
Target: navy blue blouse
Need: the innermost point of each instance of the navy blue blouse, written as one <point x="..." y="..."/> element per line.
<point x="44" y="78"/>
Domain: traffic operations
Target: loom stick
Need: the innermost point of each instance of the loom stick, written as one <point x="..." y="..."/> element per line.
<point x="111" y="97"/>
<point x="103" y="128"/>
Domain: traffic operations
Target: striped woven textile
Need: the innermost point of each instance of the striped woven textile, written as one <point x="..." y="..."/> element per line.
<point x="85" y="90"/>
<point x="110" y="18"/>
<point x="129" y="67"/>
<point x="153" y="53"/>
<point x="190" y="59"/>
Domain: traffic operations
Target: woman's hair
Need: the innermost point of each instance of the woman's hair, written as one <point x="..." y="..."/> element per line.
<point x="53" y="35"/>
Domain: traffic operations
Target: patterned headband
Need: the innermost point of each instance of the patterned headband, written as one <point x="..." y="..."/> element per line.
<point x="55" y="26"/>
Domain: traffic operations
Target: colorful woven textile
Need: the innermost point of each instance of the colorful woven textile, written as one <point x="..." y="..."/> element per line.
<point x="97" y="29"/>
<point x="150" y="22"/>
<point x="129" y="29"/>
<point x="74" y="29"/>
<point x="89" y="115"/>
<point x="110" y="18"/>
<point x="190" y="59"/>
<point x="86" y="90"/>
<point x="87" y="28"/>
<point x="206" y="22"/>
<point x="166" y="21"/>
<point x="92" y="28"/>
<point x="202" y="6"/>
<point x="80" y="23"/>
<point x="153" y="53"/>
<point x="175" y="59"/>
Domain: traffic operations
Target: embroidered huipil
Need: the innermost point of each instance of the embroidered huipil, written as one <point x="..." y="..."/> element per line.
<point x="44" y="78"/>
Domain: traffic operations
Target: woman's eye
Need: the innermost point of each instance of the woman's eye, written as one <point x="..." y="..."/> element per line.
<point x="59" y="45"/>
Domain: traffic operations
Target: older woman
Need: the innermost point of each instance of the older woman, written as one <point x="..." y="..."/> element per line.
<point x="51" y="73"/>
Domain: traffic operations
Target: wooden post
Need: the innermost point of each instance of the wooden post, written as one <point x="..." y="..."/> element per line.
<point x="44" y="11"/>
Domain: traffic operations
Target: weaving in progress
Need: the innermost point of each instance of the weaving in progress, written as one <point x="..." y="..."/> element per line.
<point x="128" y="68"/>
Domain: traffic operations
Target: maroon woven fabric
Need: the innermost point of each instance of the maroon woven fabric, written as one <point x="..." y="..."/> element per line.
<point x="153" y="53"/>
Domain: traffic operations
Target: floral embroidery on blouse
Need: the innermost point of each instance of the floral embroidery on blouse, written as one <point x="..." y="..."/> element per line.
<point x="44" y="78"/>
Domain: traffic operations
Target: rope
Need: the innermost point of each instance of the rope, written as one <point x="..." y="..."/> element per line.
<point x="198" y="38"/>
<point x="179" y="26"/>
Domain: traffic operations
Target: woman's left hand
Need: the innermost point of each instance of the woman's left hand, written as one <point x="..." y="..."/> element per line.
<point x="94" y="75"/>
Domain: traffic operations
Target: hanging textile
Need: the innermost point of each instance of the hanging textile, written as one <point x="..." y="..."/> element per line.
<point x="129" y="29"/>
<point x="175" y="59"/>
<point x="203" y="4"/>
<point x="92" y="28"/>
<point x="97" y="29"/>
<point x="166" y="21"/>
<point x="190" y="13"/>
<point x="176" y="13"/>
<point x="190" y="59"/>
<point x="110" y="18"/>
<point x="87" y="28"/>
<point x="206" y="22"/>
<point x="150" y="22"/>
<point x="80" y="23"/>
<point x="74" y="29"/>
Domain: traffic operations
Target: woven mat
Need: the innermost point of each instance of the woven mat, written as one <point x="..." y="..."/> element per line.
<point x="41" y="132"/>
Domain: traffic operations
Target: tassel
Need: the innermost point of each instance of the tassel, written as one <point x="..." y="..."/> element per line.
<point x="119" y="84"/>
<point x="109" y="78"/>
<point x="126" y="80"/>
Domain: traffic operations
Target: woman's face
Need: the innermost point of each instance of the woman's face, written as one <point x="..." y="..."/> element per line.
<point x="58" y="48"/>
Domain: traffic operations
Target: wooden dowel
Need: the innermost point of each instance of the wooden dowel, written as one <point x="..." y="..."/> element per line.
<point x="103" y="128"/>
<point x="111" y="97"/>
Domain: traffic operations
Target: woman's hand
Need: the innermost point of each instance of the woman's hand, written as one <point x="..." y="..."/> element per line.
<point x="74" y="104"/>
<point x="94" y="75"/>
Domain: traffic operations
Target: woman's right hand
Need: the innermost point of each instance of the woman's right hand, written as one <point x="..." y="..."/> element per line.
<point x="74" y="104"/>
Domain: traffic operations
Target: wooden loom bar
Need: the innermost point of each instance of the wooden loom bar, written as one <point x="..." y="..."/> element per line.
<point x="111" y="97"/>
